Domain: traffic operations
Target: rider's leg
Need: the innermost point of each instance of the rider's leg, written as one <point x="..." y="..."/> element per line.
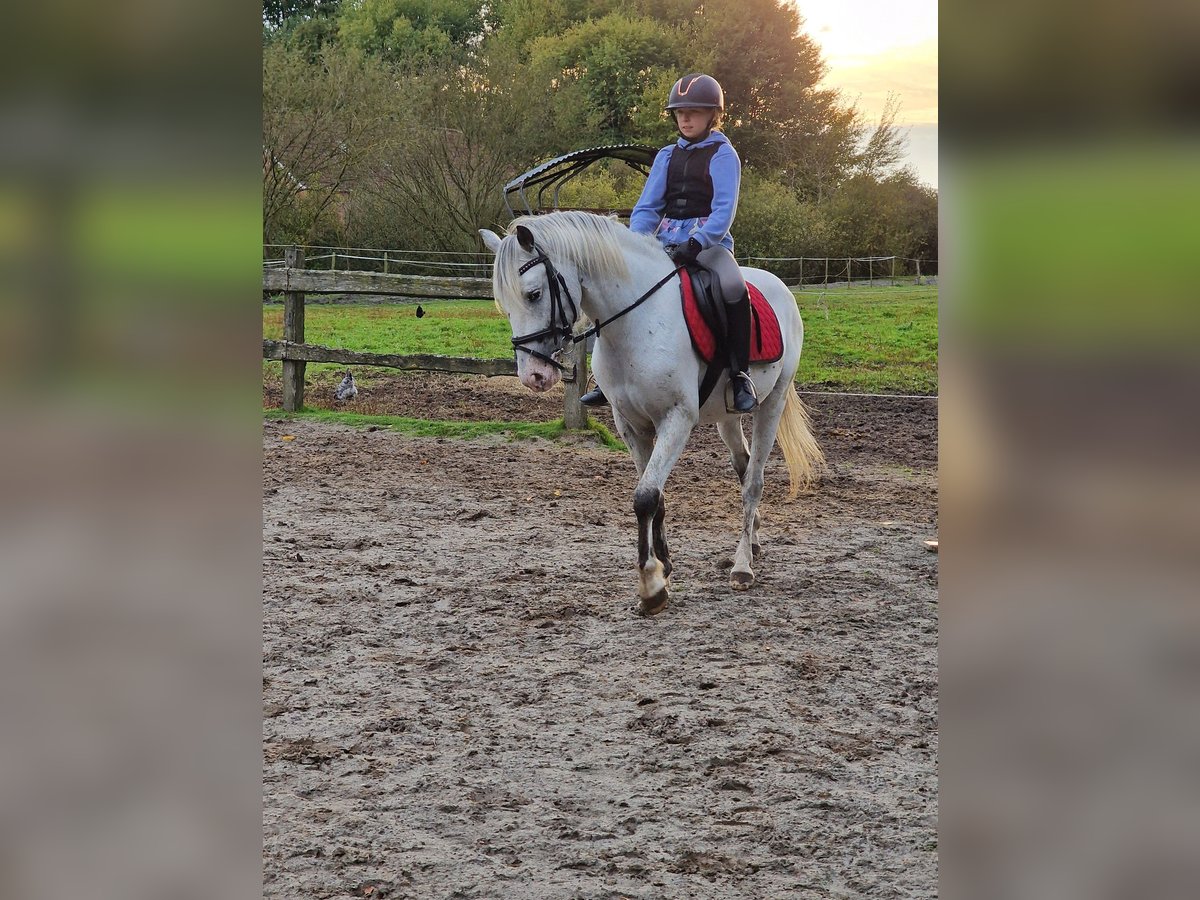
<point x="744" y="396"/>
<point x="594" y="397"/>
<point x="721" y="263"/>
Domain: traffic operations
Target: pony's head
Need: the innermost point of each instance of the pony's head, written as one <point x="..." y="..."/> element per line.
<point x="537" y="279"/>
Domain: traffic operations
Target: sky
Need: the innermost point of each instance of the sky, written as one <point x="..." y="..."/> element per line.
<point x="874" y="47"/>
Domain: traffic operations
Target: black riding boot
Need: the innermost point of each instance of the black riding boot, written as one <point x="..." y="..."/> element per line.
<point x="744" y="397"/>
<point x="594" y="398"/>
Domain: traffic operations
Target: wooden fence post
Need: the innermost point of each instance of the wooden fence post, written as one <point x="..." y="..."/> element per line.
<point x="574" y="413"/>
<point x="918" y="273"/>
<point x="293" y="330"/>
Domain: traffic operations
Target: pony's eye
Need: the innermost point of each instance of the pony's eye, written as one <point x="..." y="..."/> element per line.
<point x="533" y="296"/>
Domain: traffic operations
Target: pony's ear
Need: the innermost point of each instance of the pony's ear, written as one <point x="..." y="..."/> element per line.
<point x="525" y="238"/>
<point x="490" y="240"/>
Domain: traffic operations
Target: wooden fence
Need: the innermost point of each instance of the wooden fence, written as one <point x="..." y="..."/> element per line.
<point x="295" y="282"/>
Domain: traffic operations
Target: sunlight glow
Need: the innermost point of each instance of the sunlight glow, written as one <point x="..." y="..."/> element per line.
<point x="874" y="47"/>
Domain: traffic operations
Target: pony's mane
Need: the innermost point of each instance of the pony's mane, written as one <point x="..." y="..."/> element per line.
<point x="596" y="245"/>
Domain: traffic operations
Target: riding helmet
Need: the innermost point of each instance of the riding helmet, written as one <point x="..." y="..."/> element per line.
<point x="696" y="91"/>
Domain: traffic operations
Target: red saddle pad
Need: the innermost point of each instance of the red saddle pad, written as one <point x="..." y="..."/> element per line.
<point x="766" y="340"/>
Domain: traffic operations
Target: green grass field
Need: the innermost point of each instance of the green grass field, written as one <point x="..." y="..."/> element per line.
<point x="874" y="339"/>
<point x="870" y="339"/>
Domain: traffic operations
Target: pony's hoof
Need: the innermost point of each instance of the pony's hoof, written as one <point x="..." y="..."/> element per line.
<point x="652" y="606"/>
<point x="757" y="550"/>
<point x="741" y="581"/>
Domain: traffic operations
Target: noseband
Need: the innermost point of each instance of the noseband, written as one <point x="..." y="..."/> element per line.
<point x="563" y="313"/>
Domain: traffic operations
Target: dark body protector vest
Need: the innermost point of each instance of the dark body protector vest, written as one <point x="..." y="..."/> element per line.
<point x="689" y="185"/>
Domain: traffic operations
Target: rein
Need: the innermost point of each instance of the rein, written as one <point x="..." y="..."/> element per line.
<point x="558" y="288"/>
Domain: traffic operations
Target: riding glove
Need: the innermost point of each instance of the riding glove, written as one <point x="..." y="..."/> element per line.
<point x="686" y="253"/>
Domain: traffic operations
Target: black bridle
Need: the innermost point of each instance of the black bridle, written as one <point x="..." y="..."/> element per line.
<point x="560" y="322"/>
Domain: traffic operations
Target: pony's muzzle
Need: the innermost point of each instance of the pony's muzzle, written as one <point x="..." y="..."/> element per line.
<point x="539" y="376"/>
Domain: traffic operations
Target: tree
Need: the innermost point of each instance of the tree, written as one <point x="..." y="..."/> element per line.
<point x="309" y="25"/>
<point x="409" y="32"/>
<point x="602" y="74"/>
<point x="320" y="121"/>
<point x="885" y="147"/>
<point x="607" y="66"/>
<point x="398" y="122"/>
<point x="881" y="217"/>
<point x="277" y="12"/>
<point x="816" y="153"/>
<point x="768" y="68"/>
<point x="439" y="174"/>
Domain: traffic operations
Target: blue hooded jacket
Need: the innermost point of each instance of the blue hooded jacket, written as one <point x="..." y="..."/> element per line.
<point x="725" y="169"/>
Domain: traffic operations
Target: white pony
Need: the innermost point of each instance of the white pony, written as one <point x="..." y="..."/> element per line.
<point x="644" y="360"/>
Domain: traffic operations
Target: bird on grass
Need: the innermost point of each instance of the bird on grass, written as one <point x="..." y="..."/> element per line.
<point x="347" y="390"/>
<point x="420" y="312"/>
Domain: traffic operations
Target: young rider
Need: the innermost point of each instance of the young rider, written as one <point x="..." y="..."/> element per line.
<point x="689" y="202"/>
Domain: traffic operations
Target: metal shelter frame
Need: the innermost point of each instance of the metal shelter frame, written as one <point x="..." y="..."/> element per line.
<point x="554" y="173"/>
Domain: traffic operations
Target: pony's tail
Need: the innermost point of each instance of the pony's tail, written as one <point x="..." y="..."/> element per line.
<point x="804" y="458"/>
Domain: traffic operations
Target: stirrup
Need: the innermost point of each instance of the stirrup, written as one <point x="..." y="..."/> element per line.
<point x="743" y="389"/>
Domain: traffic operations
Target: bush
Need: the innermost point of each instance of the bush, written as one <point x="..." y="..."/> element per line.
<point x="772" y="222"/>
<point x="894" y="215"/>
<point x="605" y="186"/>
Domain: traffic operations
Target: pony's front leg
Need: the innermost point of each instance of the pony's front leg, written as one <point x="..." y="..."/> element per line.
<point x="653" y="561"/>
<point x="653" y="583"/>
<point x="660" y="540"/>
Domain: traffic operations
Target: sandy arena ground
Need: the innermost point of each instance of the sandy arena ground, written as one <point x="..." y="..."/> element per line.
<point x="460" y="701"/>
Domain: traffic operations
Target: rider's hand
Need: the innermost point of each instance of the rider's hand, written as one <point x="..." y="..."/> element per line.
<point x="686" y="253"/>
